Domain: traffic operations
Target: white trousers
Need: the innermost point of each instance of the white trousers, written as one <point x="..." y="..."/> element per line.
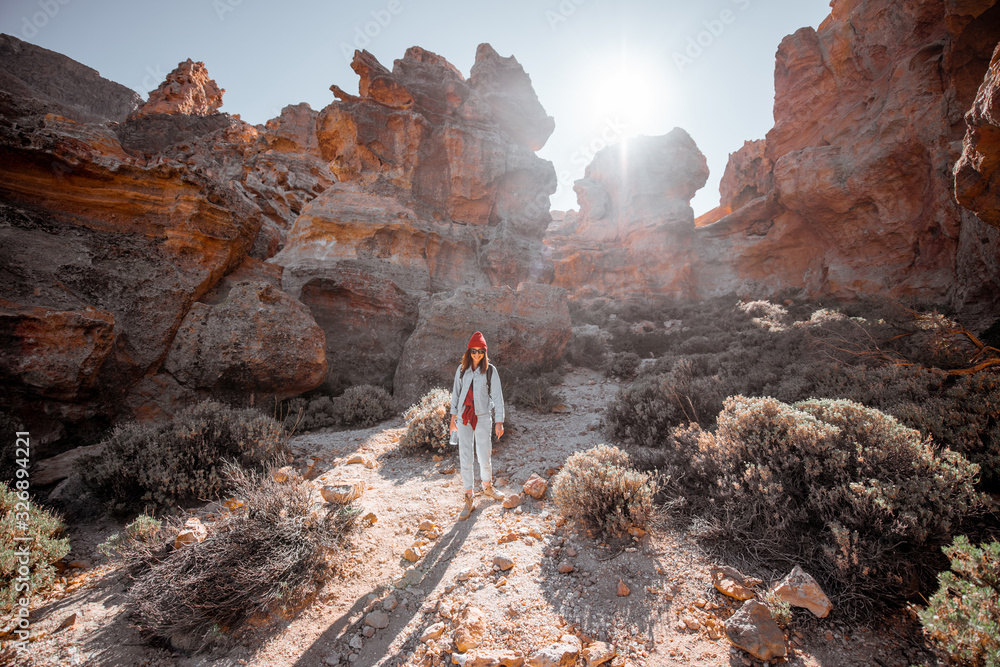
<point x="477" y="442"/>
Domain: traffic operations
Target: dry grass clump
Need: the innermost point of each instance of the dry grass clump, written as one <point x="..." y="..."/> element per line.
<point x="862" y="501"/>
<point x="427" y="421"/>
<point x="963" y="616"/>
<point x="21" y="517"/>
<point x="268" y="557"/>
<point x="181" y="460"/>
<point x="598" y="488"/>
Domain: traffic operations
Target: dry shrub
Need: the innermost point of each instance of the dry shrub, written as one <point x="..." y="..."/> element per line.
<point x="598" y="488"/>
<point x="364" y="405"/>
<point x="427" y="422"/>
<point x="963" y="616"/>
<point x="162" y="465"/>
<point x="756" y="350"/>
<point x="623" y="365"/>
<point x="862" y="501"/>
<point x="8" y="455"/>
<point x="531" y="386"/>
<point x="586" y="347"/>
<point x="267" y="557"/>
<point x="44" y="549"/>
<point x="360" y="405"/>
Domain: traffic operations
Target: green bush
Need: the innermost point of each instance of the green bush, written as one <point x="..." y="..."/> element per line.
<point x="865" y="501"/>
<point x="623" y="365"/>
<point x="267" y="557"/>
<point x="363" y="405"/>
<point x="598" y="488"/>
<point x="963" y="616"/>
<point x="44" y="549"/>
<point x="427" y="422"/>
<point x="162" y="465"/>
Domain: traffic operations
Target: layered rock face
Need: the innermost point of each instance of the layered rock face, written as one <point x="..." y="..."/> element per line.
<point x="107" y="242"/>
<point x="851" y="192"/>
<point x="438" y="189"/>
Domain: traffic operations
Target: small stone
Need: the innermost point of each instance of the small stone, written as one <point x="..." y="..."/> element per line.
<point x="503" y="561"/>
<point x="410" y="578"/>
<point x="357" y="642"/>
<point x="623" y="589"/>
<point x="377" y="619"/>
<point x="730" y="582"/>
<point x="471" y="629"/>
<point x="556" y="655"/>
<point x="799" y="589"/>
<point x="193" y="532"/>
<point x="450" y="470"/>
<point x="566" y="567"/>
<point x="433" y="632"/>
<point x="571" y="552"/>
<point x="512" y="501"/>
<point x="343" y="492"/>
<point x="390" y="603"/>
<point x="333" y="659"/>
<point x="509" y="537"/>
<point x="465" y="575"/>
<point x="368" y="631"/>
<point x="412" y="554"/>
<point x="598" y="653"/>
<point x="753" y="629"/>
<point x="535" y="486"/>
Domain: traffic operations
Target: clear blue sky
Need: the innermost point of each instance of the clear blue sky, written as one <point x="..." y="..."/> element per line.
<point x="602" y="68"/>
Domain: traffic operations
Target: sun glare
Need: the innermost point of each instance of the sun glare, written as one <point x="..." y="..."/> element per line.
<point x="627" y="91"/>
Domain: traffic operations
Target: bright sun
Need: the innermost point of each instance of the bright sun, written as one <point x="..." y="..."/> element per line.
<point x="628" y="92"/>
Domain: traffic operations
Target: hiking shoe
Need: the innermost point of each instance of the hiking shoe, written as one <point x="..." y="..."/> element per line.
<point x="491" y="492"/>
<point x="467" y="510"/>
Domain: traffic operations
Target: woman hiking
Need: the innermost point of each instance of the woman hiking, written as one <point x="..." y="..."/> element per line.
<point x="476" y="390"/>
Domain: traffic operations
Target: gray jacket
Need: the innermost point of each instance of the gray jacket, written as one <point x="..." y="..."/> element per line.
<point x="484" y="400"/>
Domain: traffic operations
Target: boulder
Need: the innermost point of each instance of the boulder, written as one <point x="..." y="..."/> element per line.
<point x="753" y="629"/>
<point x="799" y="589"/>
<point x="528" y="326"/>
<point x="257" y="341"/>
<point x="344" y="492"/>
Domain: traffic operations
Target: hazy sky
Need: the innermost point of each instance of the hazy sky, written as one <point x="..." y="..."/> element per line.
<point x="604" y="69"/>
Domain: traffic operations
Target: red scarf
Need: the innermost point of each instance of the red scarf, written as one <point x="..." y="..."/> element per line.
<point x="469" y="413"/>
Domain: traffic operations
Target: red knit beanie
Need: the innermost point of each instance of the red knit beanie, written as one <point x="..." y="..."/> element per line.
<point x="477" y="341"/>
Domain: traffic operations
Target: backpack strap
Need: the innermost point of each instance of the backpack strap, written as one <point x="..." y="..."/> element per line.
<point x="489" y="381"/>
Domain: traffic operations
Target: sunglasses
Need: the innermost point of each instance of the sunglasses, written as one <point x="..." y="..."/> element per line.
<point x="476" y="351"/>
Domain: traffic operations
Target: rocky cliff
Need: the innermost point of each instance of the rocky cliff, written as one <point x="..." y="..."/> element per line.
<point x="852" y="191"/>
<point x="438" y="189"/>
<point x="115" y="227"/>
<point x="133" y="236"/>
